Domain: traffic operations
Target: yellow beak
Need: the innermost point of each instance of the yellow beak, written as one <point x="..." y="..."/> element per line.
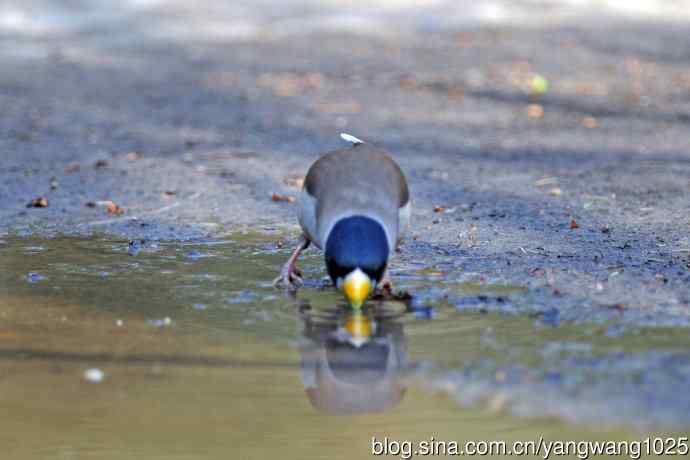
<point x="356" y="287"/>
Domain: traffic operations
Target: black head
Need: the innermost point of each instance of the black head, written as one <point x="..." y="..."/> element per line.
<point x="357" y="242"/>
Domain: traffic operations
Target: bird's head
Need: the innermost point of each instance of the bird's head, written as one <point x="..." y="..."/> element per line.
<point x="356" y="256"/>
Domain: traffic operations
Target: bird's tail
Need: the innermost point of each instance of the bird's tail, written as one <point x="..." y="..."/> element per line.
<point x="350" y="138"/>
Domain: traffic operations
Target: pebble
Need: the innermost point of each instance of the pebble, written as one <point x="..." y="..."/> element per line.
<point x="160" y="322"/>
<point x="94" y="375"/>
<point x="195" y="255"/>
<point x="134" y="247"/>
<point x="33" y="277"/>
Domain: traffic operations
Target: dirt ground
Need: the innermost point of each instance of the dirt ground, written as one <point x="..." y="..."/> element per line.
<point x="553" y="156"/>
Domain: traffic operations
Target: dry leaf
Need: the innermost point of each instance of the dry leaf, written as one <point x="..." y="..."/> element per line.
<point x="110" y="206"/>
<point x="407" y="82"/>
<point x="590" y="122"/>
<point x="456" y="92"/>
<point x="40" y="202"/>
<point x="338" y="107"/>
<point x="72" y="167"/>
<point x="133" y="156"/>
<point x="439" y="209"/>
<point x="573" y="224"/>
<point x="278" y="197"/>
<point x="115" y="209"/>
<point x="535" y="111"/>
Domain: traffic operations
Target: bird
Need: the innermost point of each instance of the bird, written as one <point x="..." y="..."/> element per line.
<point x="354" y="205"/>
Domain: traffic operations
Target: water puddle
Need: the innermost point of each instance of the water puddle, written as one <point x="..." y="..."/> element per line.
<point x="184" y="350"/>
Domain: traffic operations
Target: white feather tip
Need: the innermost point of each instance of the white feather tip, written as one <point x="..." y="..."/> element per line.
<point x="350" y="138"/>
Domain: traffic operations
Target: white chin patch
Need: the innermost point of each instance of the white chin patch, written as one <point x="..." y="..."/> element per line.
<point x="358" y="274"/>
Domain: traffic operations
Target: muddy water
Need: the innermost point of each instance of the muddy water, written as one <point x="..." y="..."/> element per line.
<point x="184" y="350"/>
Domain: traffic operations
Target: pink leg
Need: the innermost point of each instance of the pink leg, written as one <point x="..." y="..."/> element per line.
<point x="289" y="275"/>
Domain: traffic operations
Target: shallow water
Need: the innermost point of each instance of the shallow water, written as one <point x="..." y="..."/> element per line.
<point x="202" y="358"/>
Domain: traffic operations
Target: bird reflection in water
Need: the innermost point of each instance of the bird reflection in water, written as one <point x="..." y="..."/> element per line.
<point x="353" y="362"/>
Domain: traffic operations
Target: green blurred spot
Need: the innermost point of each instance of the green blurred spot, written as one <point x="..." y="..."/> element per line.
<point x="538" y="85"/>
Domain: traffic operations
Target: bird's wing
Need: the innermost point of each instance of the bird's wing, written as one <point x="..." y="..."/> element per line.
<point x="361" y="180"/>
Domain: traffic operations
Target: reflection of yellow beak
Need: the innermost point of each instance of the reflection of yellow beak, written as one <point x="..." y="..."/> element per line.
<point x="356" y="286"/>
<point x="359" y="327"/>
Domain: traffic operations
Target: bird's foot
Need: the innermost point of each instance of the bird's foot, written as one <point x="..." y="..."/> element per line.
<point x="385" y="286"/>
<point x="290" y="278"/>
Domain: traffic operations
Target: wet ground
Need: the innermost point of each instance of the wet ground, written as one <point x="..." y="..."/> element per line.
<point x="184" y="349"/>
<point x="548" y="258"/>
<point x="171" y="350"/>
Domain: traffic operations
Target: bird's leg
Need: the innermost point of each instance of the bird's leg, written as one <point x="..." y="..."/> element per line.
<point x="289" y="275"/>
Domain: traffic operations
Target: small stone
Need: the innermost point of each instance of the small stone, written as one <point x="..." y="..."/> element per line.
<point x="134" y="247"/>
<point x="195" y="255"/>
<point x="160" y="322"/>
<point x="94" y="375"/>
<point x="33" y="277"/>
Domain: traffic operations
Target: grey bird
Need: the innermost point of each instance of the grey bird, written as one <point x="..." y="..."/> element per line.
<point x="355" y="206"/>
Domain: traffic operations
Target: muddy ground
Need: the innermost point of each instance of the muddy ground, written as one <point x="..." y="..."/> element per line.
<point x="579" y="193"/>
